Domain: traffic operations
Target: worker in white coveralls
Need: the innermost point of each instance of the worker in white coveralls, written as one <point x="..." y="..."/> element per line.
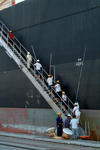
<point x="64" y="100"/>
<point x="76" y="111"/>
<point x="29" y="60"/>
<point x="58" y="90"/>
<point x="38" y="68"/>
<point x="50" y="83"/>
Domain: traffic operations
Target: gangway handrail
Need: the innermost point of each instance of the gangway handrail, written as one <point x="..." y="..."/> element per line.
<point x="44" y="71"/>
<point x="21" y="45"/>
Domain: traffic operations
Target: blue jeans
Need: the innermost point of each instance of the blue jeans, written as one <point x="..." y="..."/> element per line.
<point x="75" y="133"/>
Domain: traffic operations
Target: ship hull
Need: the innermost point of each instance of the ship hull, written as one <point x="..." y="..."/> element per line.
<point x="37" y="121"/>
<point x="66" y="35"/>
<point x="66" y="29"/>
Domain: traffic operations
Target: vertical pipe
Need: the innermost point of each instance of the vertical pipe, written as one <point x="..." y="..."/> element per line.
<point x="88" y="129"/>
<point x="85" y="128"/>
<point x="50" y="63"/>
<point x="77" y="92"/>
<point x="54" y="74"/>
<point x="34" y="52"/>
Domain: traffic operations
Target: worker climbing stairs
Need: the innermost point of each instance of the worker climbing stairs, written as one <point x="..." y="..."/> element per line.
<point x="18" y="53"/>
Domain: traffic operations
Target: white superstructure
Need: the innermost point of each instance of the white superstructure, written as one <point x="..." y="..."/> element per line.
<point x="8" y="3"/>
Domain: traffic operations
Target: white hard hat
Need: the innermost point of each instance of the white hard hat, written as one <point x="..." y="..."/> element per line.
<point x="69" y="115"/>
<point x="28" y="52"/>
<point x="75" y="103"/>
<point x="38" y="60"/>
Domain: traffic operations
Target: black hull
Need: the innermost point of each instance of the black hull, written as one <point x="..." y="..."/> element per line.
<point x="64" y="28"/>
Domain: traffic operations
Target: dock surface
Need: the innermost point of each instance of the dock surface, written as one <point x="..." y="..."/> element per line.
<point x="9" y="141"/>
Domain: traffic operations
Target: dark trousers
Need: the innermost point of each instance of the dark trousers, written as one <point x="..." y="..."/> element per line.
<point x="59" y="131"/>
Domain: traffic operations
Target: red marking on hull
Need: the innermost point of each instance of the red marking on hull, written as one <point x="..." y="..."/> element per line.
<point x="13" y="130"/>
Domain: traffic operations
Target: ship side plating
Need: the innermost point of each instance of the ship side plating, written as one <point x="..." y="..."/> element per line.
<point x="64" y="28"/>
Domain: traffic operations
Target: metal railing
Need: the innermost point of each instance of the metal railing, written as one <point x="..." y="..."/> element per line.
<point x="21" y="52"/>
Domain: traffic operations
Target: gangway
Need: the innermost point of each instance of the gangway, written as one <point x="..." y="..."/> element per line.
<point x="18" y="53"/>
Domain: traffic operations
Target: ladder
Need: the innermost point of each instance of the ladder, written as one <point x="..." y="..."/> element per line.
<point x="18" y="53"/>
